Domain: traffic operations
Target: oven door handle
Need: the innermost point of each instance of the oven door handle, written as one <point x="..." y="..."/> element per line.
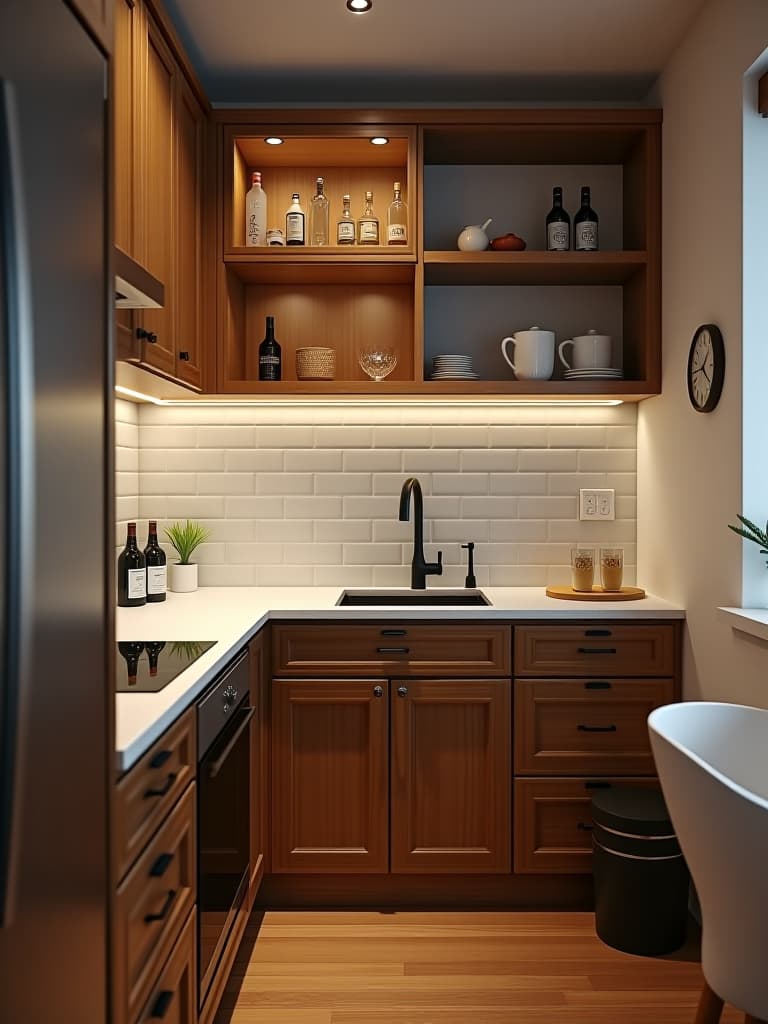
<point x="218" y="764"/>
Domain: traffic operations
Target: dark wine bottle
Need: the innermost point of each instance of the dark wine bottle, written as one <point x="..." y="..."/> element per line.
<point x="131" y="650"/>
<point x="585" y="225"/>
<point x="558" y="224"/>
<point x="270" y="362"/>
<point x="157" y="572"/>
<point x="154" y="647"/>
<point x="131" y="573"/>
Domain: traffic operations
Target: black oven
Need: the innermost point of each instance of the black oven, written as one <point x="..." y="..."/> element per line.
<point x="223" y="804"/>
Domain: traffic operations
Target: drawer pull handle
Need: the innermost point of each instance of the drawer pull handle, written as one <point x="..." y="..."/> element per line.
<point x="160" y="758"/>
<point x="597" y="785"/>
<point x="597" y="650"/>
<point x="162" y="1005"/>
<point x="596" y="728"/>
<point x="394" y="632"/>
<point x="597" y="684"/>
<point x="161" y="790"/>
<point x="584" y="827"/>
<point x="402" y="691"/>
<point x="161" y="865"/>
<point x="598" y="632"/>
<point x="393" y="650"/>
<point x="162" y="914"/>
<point x="378" y="691"/>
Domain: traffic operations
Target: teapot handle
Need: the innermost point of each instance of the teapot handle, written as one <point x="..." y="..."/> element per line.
<point x="504" y="344"/>
<point x="560" y="347"/>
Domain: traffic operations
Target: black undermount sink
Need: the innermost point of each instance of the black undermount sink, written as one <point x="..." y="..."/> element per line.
<point x="411" y="598"/>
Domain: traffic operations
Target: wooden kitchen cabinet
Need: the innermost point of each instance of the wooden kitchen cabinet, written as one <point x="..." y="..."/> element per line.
<point x="259" y="677"/>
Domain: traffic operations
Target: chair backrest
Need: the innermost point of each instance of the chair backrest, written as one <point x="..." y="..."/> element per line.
<point x="712" y="761"/>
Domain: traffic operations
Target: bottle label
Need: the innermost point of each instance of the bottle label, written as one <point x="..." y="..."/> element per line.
<point x="157" y="579"/>
<point x="255" y="230"/>
<point x="397" y="234"/>
<point x="294" y="227"/>
<point x="557" y="236"/>
<point x="369" y="231"/>
<point x="586" y="234"/>
<point x="345" y="231"/>
<point x="137" y="583"/>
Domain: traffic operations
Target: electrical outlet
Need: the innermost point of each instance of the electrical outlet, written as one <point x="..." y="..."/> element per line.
<point x="597" y="503"/>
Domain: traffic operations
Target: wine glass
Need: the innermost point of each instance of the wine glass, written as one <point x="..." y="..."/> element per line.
<point x="377" y="362"/>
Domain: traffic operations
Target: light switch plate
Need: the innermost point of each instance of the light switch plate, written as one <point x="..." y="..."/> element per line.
<point x="597" y="503"/>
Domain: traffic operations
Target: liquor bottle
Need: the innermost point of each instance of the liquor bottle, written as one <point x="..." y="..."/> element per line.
<point x="345" y="225"/>
<point x="131" y="650"/>
<point x="269" y="354"/>
<point x="368" y="224"/>
<point x="397" y="220"/>
<point x="295" y="223"/>
<point x="256" y="212"/>
<point x="585" y="225"/>
<point x="157" y="572"/>
<point x="558" y="224"/>
<point x="131" y="573"/>
<point x="154" y="647"/>
<point x="318" y="216"/>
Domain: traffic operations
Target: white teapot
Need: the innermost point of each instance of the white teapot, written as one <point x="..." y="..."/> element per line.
<point x="473" y="238"/>
<point x="534" y="353"/>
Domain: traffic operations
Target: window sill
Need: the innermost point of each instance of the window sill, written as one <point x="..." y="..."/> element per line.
<point x="747" y="620"/>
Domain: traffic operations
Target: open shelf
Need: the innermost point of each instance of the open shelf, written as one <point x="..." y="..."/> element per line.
<point x="531" y="267"/>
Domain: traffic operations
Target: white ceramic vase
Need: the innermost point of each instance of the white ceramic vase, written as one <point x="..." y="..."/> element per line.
<point x="183" y="578"/>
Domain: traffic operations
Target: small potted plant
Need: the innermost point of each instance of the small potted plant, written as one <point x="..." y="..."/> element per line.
<point x="749" y="531"/>
<point x="185" y="538"/>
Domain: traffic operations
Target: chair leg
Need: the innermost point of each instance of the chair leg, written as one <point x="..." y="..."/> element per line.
<point x="710" y="1007"/>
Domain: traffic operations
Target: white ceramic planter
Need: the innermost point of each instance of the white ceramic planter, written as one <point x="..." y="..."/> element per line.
<point x="183" y="578"/>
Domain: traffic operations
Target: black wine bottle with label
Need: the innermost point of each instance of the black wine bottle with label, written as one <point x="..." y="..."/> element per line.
<point x="558" y="224"/>
<point x="585" y="225"/>
<point x="155" y="561"/>
<point x="131" y="573"/>
<point x="270" y="360"/>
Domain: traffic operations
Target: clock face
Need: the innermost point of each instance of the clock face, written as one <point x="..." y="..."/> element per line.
<point x="706" y="368"/>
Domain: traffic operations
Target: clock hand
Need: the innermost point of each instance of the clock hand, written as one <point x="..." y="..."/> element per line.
<point x="709" y="379"/>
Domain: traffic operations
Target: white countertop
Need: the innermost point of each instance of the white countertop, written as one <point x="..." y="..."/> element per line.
<point x="232" y="615"/>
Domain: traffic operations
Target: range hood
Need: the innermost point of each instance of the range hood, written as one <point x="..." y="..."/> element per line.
<point x="135" y="287"/>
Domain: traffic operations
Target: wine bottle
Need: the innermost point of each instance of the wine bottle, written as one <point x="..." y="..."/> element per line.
<point x="318" y="216"/>
<point x="131" y="573"/>
<point x="368" y="224"/>
<point x="295" y="222"/>
<point x="345" y="225"/>
<point x="155" y="561"/>
<point x="397" y="219"/>
<point x="269" y="354"/>
<point x="585" y="225"/>
<point x="131" y="651"/>
<point x="558" y="224"/>
<point x="154" y="647"/>
<point x="256" y="213"/>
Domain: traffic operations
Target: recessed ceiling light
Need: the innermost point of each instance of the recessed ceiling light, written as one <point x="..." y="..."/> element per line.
<point x="273" y="140"/>
<point x="359" y="6"/>
<point x="379" y="140"/>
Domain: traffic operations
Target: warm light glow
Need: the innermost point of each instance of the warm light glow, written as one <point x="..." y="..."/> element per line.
<point x="379" y="140"/>
<point x="359" y="6"/>
<point x="138" y="395"/>
<point x="273" y="140"/>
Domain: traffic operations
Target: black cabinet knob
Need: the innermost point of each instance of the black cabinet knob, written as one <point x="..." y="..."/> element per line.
<point x="184" y="356"/>
<point x="143" y="335"/>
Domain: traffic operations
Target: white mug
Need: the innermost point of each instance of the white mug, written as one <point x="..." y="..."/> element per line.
<point x="534" y="354"/>
<point x="590" y="351"/>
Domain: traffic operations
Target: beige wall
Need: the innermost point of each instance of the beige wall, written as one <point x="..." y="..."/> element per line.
<point x="689" y="464"/>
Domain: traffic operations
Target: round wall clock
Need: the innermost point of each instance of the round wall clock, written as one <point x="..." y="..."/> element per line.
<point x="706" y="368"/>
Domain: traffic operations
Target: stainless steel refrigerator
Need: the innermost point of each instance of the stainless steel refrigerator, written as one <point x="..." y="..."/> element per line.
<point x="55" y="437"/>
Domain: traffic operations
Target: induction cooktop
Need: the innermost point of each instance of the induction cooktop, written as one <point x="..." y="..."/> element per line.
<point x="147" y="666"/>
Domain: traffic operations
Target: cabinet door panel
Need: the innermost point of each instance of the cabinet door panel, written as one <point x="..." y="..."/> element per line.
<point x="451" y="775"/>
<point x="596" y="649"/>
<point x="329" y="775"/>
<point x="125" y="99"/>
<point x="259" y="766"/>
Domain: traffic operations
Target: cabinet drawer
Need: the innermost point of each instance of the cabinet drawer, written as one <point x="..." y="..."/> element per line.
<point x="553" y="823"/>
<point x="149" y="790"/>
<point x="460" y="649"/>
<point x="152" y="903"/>
<point x="174" y="995"/>
<point x="593" y="649"/>
<point x="570" y="727"/>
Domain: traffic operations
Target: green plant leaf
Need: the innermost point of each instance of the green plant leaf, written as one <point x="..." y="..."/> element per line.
<point x="186" y="537"/>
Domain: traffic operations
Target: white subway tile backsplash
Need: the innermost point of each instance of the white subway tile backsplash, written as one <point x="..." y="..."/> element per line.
<point x="373" y="554"/>
<point x="255" y="508"/>
<point x="577" y="437"/>
<point x="402" y="437"/>
<point x="285" y="576"/>
<point x="548" y="508"/>
<point x="502" y="460"/>
<point x="310" y="460"/>
<point x="489" y="508"/>
<point x="368" y="508"/>
<point x="316" y="507"/>
<point x="570" y="483"/>
<point x="459" y="483"/>
<point x="460" y="530"/>
<point x="285" y="437"/>
<point x="517" y="436"/>
<point x="127" y="460"/>
<point x="518" y="530"/>
<point x="255" y="554"/>
<point x="225" y="437"/>
<point x="393" y="530"/>
<point x="351" y="436"/>
<point x="313" y="554"/>
<point x="168" y="483"/>
<point x="556" y="460"/>
<point x="373" y="461"/>
<point x="460" y="437"/>
<point x="211" y="507"/>
<point x="344" y="530"/>
<point x="605" y="460"/>
<point x="227" y="575"/>
<point x="284" y="483"/>
<point x="519" y="483"/>
<point x="343" y="483"/>
<point x="431" y="460"/>
<point x="254" y="460"/>
<point x="283" y="530"/>
<point x="343" y="576"/>
<point x="127" y="435"/>
<point x="225" y="483"/>
<point x="167" y="437"/>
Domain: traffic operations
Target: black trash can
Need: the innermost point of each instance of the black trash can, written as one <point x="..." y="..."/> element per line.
<point x="641" y="878"/>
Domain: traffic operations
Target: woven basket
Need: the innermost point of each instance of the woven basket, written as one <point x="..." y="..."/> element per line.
<point x="315" y="363"/>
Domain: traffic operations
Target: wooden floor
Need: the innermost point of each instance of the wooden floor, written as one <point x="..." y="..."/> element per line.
<point x="452" y="968"/>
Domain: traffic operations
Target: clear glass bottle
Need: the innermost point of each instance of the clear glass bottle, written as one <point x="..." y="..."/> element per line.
<point x="368" y="224"/>
<point x="295" y="223"/>
<point x="256" y="212"/>
<point x="397" y="219"/>
<point x="318" y="216"/>
<point x="585" y="237"/>
<point x="345" y="225"/>
<point x="558" y="224"/>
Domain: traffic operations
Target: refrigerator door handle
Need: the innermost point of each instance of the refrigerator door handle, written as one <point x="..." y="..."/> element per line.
<point x="17" y="512"/>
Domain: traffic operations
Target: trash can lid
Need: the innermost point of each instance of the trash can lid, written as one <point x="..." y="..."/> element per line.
<point x="632" y="809"/>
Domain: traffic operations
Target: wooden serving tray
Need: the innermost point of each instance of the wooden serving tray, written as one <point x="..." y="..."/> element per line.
<point x="597" y="594"/>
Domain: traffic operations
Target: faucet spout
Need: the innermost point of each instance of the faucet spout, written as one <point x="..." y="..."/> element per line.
<point x="420" y="568"/>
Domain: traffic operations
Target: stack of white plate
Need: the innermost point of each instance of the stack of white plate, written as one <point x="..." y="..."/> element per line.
<point x="453" y="367"/>
<point x="595" y="373"/>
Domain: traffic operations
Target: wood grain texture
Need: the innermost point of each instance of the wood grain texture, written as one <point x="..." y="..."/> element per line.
<point x="179" y="979"/>
<point x="450" y="968"/>
<point x="599" y="649"/>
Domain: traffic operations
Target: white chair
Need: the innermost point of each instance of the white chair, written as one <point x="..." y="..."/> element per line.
<point x="712" y="761"/>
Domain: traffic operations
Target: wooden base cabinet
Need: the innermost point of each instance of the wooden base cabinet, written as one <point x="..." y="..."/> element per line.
<point x="431" y="795"/>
